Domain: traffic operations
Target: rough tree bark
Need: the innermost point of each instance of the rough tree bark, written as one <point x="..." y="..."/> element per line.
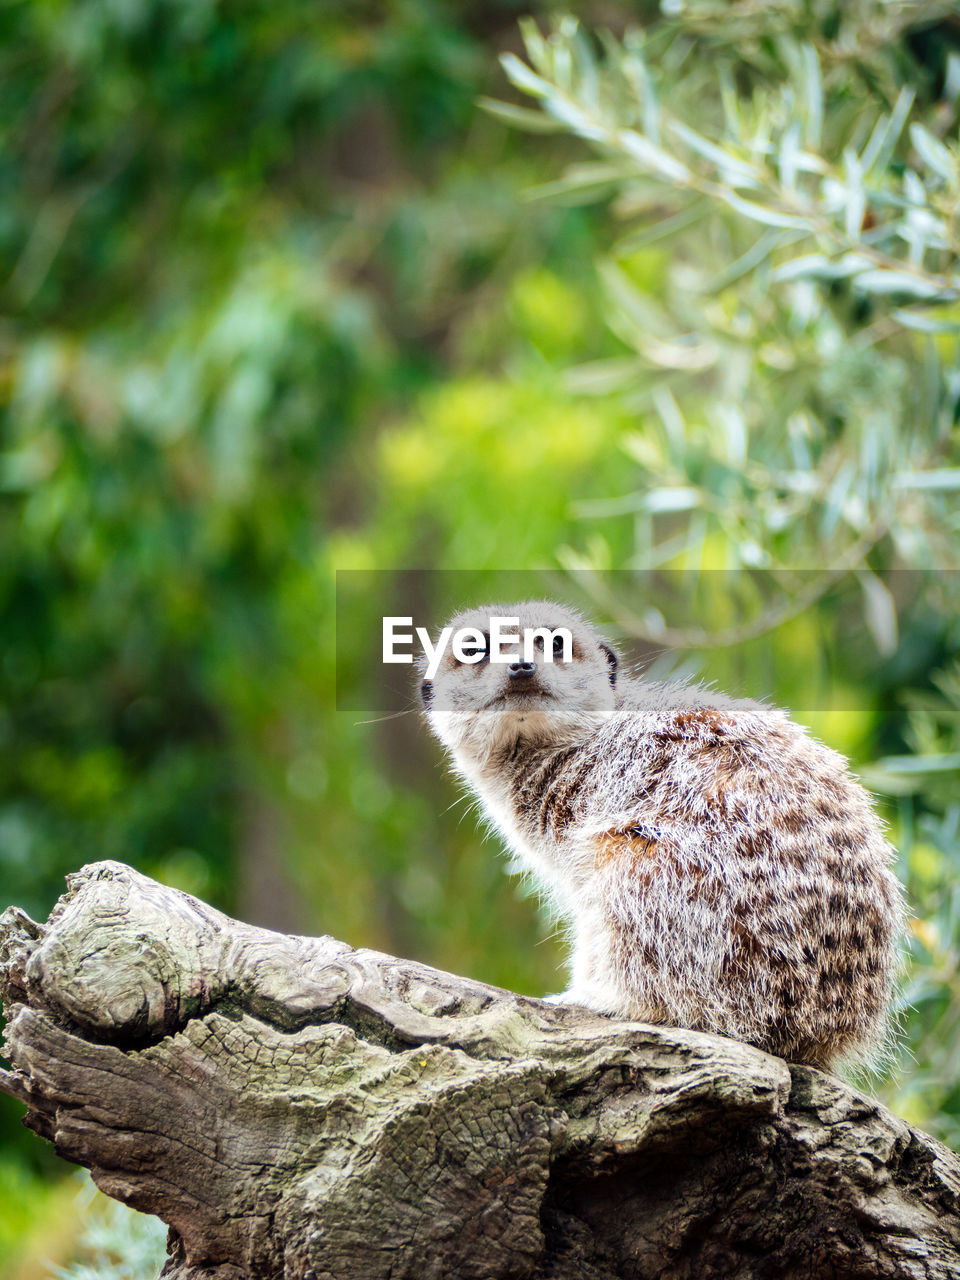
<point x="292" y="1107"/>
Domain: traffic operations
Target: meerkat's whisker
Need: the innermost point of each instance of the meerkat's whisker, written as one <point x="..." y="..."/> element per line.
<point x="382" y="719"/>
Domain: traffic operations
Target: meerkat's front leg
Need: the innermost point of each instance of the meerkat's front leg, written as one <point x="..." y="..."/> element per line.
<point x="590" y="986"/>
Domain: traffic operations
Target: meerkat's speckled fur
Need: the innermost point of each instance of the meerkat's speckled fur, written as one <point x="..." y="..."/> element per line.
<point x="717" y="867"/>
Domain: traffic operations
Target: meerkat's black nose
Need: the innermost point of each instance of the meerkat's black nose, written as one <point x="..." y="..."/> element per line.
<point x="520" y="670"/>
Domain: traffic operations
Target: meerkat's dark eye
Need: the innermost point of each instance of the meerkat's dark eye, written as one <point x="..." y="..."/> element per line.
<point x="556" y="645"/>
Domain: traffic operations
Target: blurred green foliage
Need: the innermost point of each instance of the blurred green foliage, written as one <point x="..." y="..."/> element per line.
<point x="282" y="299"/>
<point x="116" y="1243"/>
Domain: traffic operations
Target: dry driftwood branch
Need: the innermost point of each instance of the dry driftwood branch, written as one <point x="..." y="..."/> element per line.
<point x="292" y="1107"/>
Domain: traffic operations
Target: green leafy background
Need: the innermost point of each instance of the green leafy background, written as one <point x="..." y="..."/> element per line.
<point x="661" y="307"/>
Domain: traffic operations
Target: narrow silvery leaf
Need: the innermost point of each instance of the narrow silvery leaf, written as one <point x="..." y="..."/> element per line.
<point x="818" y="266"/>
<point x="654" y="621"/>
<point x="756" y="254"/>
<point x="947" y="478"/>
<point x="933" y="153"/>
<point x="898" y="118"/>
<point x="879" y="280"/>
<point x="884" y="138"/>
<point x="652" y="157"/>
<point x="798" y="429"/>
<point x="634" y="71"/>
<point x="768" y="217"/>
<point x="879" y="612"/>
<point x="672" y="419"/>
<point x="833" y="195"/>
<point x="600" y="377"/>
<point x="589" y="87"/>
<point x="951" y="81"/>
<point x="835" y="499"/>
<point x="640" y="309"/>
<point x="569" y="114"/>
<point x="734" y="430"/>
<point x="874" y="143"/>
<point x="731" y="103"/>
<point x="938" y="762"/>
<point x="856" y="205"/>
<point x="853" y="263"/>
<point x="806" y="162"/>
<point x="925" y="321"/>
<point x="664" y="228"/>
<point x="588" y="180"/>
<point x="562" y="65"/>
<point x="654" y="501"/>
<point x="809" y="264"/>
<point x="602" y="508"/>
<point x="732" y="169"/>
<point x="534" y="43"/>
<point x="787" y="159"/>
<point x="814" y="96"/>
<point x="752" y="555"/>
<point x="520" y="117"/>
<point x="915" y="192"/>
<point x="689" y="352"/>
<point x="519" y="74"/>
<point x="673" y="499"/>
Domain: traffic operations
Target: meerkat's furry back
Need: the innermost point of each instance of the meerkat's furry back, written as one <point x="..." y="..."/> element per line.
<point x="716" y="866"/>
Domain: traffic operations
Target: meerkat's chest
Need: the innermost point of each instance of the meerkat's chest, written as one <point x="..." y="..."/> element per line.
<point x="553" y="806"/>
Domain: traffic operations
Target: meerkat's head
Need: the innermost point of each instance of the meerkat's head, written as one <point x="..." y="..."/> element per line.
<point x="557" y="691"/>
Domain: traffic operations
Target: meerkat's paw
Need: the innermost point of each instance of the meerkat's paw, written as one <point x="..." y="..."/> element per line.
<point x="582" y="997"/>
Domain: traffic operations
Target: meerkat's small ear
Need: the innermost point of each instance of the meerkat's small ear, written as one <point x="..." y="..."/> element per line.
<point x="612" y="659"/>
<point x="426" y="692"/>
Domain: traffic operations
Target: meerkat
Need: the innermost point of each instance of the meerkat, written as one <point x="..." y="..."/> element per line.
<point x="716" y="867"/>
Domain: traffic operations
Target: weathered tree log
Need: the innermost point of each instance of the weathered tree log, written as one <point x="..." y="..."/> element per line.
<point x="294" y="1108"/>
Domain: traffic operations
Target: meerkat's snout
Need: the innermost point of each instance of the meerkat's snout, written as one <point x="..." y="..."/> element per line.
<point x="525" y="679"/>
<point x="521" y="671"/>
